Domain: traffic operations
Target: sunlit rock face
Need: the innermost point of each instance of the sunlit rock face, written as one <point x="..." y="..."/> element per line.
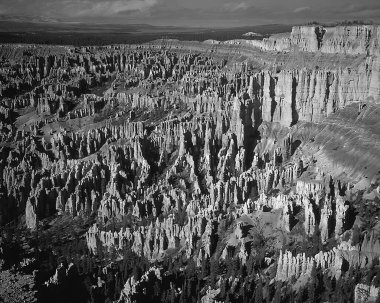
<point x="350" y="40"/>
<point x="198" y="171"/>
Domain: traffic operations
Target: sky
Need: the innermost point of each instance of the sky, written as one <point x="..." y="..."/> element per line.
<point x="211" y="13"/>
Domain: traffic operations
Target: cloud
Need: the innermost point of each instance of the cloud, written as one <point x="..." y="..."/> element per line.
<point x="358" y="8"/>
<point x="193" y="12"/>
<point x="302" y="9"/>
<point x="236" y="6"/>
<point x="108" y="8"/>
<point x="74" y="8"/>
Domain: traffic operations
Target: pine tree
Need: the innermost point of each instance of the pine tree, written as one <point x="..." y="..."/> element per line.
<point x="213" y="271"/>
<point x="222" y="288"/>
<point x="312" y="285"/>
<point x="259" y="291"/>
<point x="277" y="294"/>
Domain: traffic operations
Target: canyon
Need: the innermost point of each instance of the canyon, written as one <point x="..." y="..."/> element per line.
<point x="195" y="171"/>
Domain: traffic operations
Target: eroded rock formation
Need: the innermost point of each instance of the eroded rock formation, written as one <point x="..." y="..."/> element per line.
<point x="190" y="152"/>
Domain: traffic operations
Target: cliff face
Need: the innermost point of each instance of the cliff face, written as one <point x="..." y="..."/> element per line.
<point x="311" y="94"/>
<point x="289" y="96"/>
<point x="350" y="40"/>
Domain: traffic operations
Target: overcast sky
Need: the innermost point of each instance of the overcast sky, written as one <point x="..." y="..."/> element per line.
<point x="194" y="12"/>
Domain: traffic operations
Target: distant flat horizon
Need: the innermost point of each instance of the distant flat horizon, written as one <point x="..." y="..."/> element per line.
<point x="129" y="26"/>
<point x="24" y="24"/>
<point x="194" y="13"/>
<point x="104" y="34"/>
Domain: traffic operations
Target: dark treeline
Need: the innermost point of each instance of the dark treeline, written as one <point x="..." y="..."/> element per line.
<point x="342" y="23"/>
<point x="182" y="281"/>
<point x="84" y="277"/>
<point x="105" y="38"/>
<point x="82" y="39"/>
<point x="36" y="35"/>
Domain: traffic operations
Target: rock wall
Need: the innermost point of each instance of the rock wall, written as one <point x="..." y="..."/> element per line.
<point x="351" y="40"/>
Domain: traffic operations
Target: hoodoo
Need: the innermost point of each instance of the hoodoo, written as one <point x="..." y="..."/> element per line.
<point x="236" y="171"/>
